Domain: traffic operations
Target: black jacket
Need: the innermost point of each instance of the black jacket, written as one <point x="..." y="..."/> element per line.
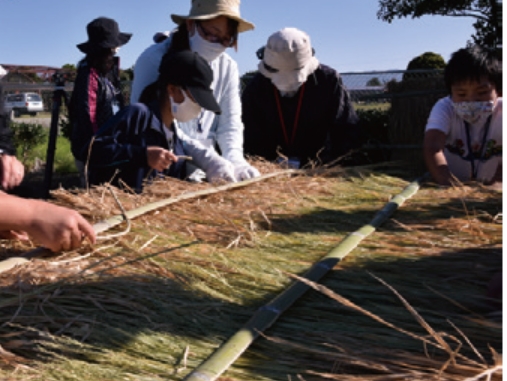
<point x="91" y="105"/>
<point x="121" y="145"/>
<point x="327" y="120"/>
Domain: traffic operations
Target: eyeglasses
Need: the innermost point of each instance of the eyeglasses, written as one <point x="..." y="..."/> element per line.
<point x="225" y="41"/>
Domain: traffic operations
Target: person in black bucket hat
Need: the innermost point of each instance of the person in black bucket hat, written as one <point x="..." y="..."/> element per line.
<point x="103" y="33"/>
<point x="97" y="95"/>
<point x="144" y="140"/>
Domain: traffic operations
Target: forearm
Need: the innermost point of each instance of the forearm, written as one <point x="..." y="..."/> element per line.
<point x="437" y="166"/>
<point x="16" y="213"/>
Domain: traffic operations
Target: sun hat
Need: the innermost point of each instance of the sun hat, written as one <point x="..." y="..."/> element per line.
<point x="190" y="71"/>
<point x="209" y="9"/>
<point x="103" y="32"/>
<point x="288" y="52"/>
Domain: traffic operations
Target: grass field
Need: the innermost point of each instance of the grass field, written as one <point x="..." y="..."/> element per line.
<point x="372" y="106"/>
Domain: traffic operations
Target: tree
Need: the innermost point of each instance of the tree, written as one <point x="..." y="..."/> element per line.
<point x="373" y="82"/>
<point x="488" y="15"/>
<point x="127" y="74"/>
<point x="426" y="61"/>
<point x="70" y="72"/>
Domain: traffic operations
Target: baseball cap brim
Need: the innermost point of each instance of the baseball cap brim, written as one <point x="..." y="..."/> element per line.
<point x="205" y="99"/>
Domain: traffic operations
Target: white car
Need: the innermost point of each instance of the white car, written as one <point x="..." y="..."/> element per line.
<point x="23" y="103"/>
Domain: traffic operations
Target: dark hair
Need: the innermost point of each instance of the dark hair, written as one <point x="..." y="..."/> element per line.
<point x="179" y="42"/>
<point x="97" y="59"/>
<point x="473" y="63"/>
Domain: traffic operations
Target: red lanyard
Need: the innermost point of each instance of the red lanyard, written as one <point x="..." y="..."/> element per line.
<point x="296" y="120"/>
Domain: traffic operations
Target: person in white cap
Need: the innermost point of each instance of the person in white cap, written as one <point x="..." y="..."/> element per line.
<point x="209" y="29"/>
<point x="296" y="109"/>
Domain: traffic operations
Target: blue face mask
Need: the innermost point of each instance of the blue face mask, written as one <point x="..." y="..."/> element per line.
<point x="475" y="113"/>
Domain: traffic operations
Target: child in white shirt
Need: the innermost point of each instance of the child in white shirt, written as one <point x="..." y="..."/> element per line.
<point x="463" y="138"/>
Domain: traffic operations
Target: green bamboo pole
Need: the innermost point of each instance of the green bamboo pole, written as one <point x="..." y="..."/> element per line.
<point x="225" y="356"/>
<point x="113" y="221"/>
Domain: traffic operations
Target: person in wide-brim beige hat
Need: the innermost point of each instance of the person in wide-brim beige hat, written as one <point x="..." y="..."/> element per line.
<point x="209" y="9"/>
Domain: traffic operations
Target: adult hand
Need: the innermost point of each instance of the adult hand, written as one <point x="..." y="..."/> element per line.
<point x="13" y="234"/>
<point x="159" y="158"/>
<point x="58" y="228"/>
<point x="245" y="172"/>
<point x="220" y="169"/>
<point x="12" y="171"/>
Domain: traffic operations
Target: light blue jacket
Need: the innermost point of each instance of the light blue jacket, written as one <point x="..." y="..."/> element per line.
<point x="225" y="129"/>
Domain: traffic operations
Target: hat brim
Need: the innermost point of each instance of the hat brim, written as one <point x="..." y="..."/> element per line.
<point x="301" y="75"/>
<point x="89" y="46"/>
<point x="243" y="25"/>
<point x="205" y="99"/>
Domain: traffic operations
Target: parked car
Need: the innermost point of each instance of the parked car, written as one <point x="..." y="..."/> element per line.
<point x="23" y="103"/>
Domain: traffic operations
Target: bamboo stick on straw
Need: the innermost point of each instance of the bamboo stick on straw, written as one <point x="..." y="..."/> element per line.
<point x="113" y="221"/>
<point x="225" y="356"/>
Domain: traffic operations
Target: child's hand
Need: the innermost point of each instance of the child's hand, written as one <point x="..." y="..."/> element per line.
<point x="159" y="158"/>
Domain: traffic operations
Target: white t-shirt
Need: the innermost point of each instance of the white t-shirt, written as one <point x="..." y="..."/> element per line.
<point x="456" y="151"/>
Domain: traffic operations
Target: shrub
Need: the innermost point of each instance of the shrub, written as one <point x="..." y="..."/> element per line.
<point x="374" y="124"/>
<point x="26" y="137"/>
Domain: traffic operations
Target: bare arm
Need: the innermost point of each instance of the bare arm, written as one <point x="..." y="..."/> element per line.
<point x="433" y="149"/>
<point x="55" y="227"/>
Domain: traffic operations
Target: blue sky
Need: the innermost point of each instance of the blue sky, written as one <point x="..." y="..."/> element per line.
<point x="346" y="34"/>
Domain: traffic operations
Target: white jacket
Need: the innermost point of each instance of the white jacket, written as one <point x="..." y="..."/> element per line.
<point x="226" y="129"/>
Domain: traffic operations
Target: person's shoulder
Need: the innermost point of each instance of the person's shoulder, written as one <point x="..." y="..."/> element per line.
<point x="444" y="104"/>
<point x="327" y="70"/>
<point x="135" y="114"/>
<point x="138" y="108"/>
<point x="257" y="82"/>
<point x="155" y="51"/>
<point x="499" y="102"/>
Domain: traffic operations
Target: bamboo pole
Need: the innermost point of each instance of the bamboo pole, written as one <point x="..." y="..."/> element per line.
<point x="265" y="316"/>
<point x="113" y="221"/>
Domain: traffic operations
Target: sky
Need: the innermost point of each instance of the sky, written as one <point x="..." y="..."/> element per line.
<point x="346" y="34"/>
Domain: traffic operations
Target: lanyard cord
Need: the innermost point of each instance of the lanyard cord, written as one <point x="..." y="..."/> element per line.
<point x="471" y="155"/>
<point x="296" y="120"/>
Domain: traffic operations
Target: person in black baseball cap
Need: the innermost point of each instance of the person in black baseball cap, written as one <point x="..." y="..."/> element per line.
<point x="144" y="141"/>
<point x="189" y="71"/>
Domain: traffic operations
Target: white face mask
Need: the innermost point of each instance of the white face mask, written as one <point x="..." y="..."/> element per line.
<point x="288" y="85"/>
<point x="475" y="113"/>
<point x="207" y="50"/>
<point x="186" y="110"/>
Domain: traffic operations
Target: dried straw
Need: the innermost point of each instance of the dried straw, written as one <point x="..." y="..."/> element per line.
<point x="156" y="302"/>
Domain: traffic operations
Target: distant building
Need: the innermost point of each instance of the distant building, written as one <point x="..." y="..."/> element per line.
<point x="26" y="73"/>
